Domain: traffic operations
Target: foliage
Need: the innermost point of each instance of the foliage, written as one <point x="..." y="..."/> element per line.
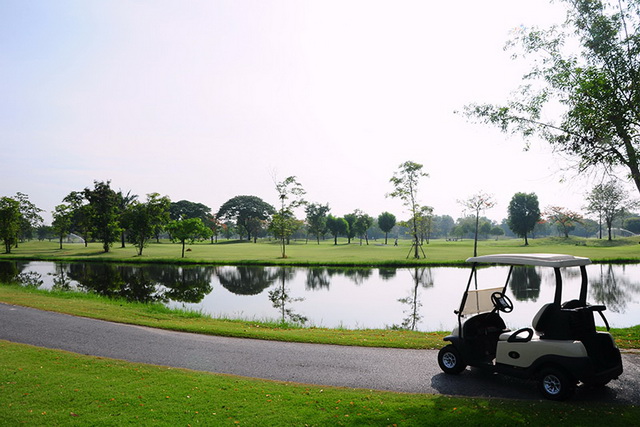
<point x="405" y="182"/>
<point x="103" y="213"/>
<point x="187" y="230"/>
<point x="351" y="220"/>
<point x="386" y="222"/>
<point x="9" y="222"/>
<point x="362" y="224"/>
<point x="143" y="219"/>
<point x="284" y="223"/>
<point x="80" y="214"/>
<point x="249" y="212"/>
<point x="477" y="203"/>
<point x="337" y="227"/>
<point x="29" y="216"/>
<point x="563" y="218"/>
<point x="317" y="219"/>
<point x="62" y="221"/>
<point x="609" y="201"/>
<point x="524" y="214"/>
<point x="184" y="209"/>
<point x="590" y="68"/>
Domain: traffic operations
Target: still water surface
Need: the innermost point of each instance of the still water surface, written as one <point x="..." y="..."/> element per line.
<point x="415" y="298"/>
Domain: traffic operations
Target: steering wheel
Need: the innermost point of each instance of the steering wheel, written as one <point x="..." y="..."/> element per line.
<point x="501" y="302"/>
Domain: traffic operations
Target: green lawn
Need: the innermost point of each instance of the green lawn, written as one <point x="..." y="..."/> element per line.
<point x="326" y="253"/>
<point x="44" y="387"/>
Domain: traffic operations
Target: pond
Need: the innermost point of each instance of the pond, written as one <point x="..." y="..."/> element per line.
<point x="421" y="298"/>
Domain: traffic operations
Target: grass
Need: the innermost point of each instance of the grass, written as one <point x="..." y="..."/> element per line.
<point x="158" y="316"/>
<point x="439" y="252"/>
<point x="51" y="387"/>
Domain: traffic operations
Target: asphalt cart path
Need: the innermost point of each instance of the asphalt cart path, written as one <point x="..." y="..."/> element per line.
<point x="413" y="371"/>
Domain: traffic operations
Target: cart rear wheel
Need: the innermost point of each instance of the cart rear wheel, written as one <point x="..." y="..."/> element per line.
<point x="555" y="384"/>
<point x="450" y="360"/>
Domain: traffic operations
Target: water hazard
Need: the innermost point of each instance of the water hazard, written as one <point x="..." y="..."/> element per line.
<point x="413" y="298"/>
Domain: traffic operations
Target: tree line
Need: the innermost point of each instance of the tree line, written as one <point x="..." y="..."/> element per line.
<point x="108" y="216"/>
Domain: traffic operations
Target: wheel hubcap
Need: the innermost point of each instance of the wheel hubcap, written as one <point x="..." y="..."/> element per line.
<point x="551" y="384"/>
<point x="449" y="360"/>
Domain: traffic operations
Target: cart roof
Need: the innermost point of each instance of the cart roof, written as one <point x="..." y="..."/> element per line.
<point x="542" y="260"/>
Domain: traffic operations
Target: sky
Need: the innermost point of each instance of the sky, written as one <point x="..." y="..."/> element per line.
<point x="205" y="100"/>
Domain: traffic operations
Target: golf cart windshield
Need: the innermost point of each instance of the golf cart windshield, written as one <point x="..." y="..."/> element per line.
<point x="479" y="301"/>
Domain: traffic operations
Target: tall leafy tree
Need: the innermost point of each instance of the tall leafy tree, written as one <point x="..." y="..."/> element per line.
<point x="524" y="214"/>
<point x="30" y="218"/>
<point x="386" y="222"/>
<point x="351" y="220"/>
<point x="62" y="221"/>
<point x="124" y="201"/>
<point x="590" y="68"/>
<point x="184" y="209"/>
<point x="9" y="222"/>
<point x="188" y="230"/>
<point x="317" y="219"/>
<point x="284" y="224"/>
<point x="608" y="200"/>
<point x="337" y="226"/>
<point x="405" y="182"/>
<point x="362" y="225"/>
<point x="80" y="217"/>
<point x="103" y="213"/>
<point x="247" y="212"/>
<point x="564" y="219"/>
<point x="143" y="219"/>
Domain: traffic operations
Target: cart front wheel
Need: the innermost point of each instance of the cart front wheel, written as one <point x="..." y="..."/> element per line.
<point x="450" y="360"/>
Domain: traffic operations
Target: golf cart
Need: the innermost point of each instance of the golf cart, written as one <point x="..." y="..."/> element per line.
<point x="560" y="349"/>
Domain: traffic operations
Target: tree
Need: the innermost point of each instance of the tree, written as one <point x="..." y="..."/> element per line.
<point x="597" y="83"/>
<point x="124" y="201"/>
<point x="143" y="219"/>
<point x="187" y="230"/>
<point x="405" y="182"/>
<point x="351" y="220"/>
<point x="80" y="217"/>
<point x="524" y="214"/>
<point x="9" y="222"/>
<point x="386" y="222"/>
<point x="608" y="201"/>
<point x="184" y="209"/>
<point x="103" y="213"/>
<point x="336" y="227"/>
<point x="247" y="211"/>
<point x="477" y="203"/>
<point x="29" y="217"/>
<point x="290" y="194"/>
<point x="62" y="221"/>
<point x="362" y="225"/>
<point x="317" y="219"/>
<point x="564" y="219"/>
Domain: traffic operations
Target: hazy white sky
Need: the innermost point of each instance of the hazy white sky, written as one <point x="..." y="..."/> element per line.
<point x="205" y="99"/>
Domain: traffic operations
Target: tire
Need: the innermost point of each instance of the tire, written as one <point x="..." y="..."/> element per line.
<point x="555" y="384"/>
<point x="450" y="361"/>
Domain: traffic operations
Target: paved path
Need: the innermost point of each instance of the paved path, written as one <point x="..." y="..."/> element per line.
<point x="414" y="371"/>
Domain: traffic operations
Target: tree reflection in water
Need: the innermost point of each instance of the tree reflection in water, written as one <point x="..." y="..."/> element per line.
<point x="280" y="297"/>
<point x="612" y="291"/>
<point x="422" y="276"/>
<point x="525" y="283"/>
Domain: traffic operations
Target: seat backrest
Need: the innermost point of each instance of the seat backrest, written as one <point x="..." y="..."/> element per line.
<point x="542" y="318"/>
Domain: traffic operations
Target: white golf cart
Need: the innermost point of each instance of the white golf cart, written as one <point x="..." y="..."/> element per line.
<point x="560" y="349"/>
